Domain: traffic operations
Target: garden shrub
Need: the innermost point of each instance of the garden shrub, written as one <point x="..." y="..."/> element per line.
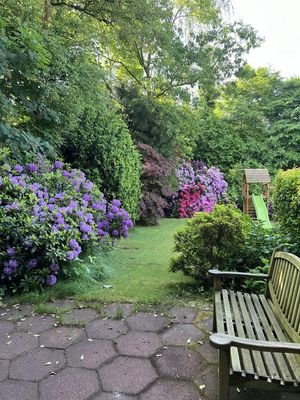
<point x="156" y="188"/>
<point x="225" y="239"/>
<point x="286" y="199"/>
<point x="259" y="245"/>
<point x="50" y="214"/>
<point x="200" y="188"/>
<point x="103" y="148"/>
<point x="210" y="240"/>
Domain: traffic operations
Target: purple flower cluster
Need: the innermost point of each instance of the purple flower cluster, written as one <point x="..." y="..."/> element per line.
<point x="63" y="213"/>
<point x="193" y="173"/>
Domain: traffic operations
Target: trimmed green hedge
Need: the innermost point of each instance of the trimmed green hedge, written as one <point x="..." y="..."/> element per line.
<point x="287" y="202"/>
<point x="103" y="148"/>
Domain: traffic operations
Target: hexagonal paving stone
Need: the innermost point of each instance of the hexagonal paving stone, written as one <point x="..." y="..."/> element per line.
<point x="147" y="322"/>
<point x="183" y="315"/>
<point x="208" y="378"/>
<point x="61" y="337"/>
<point x="180" y="363"/>
<point x="6" y="327"/>
<point x="90" y="354"/>
<point x="16" y="344"/>
<point x="139" y="344"/>
<point x="36" y="324"/>
<point x="82" y="315"/>
<point x="209" y="353"/>
<point x="18" y="390"/>
<point x="70" y="384"/>
<point x="38" y="362"/>
<point x="180" y="335"/>
<point x="106" y="329"/>
<point x="115" y="310"/>
<point x="4" y="368"/>
<point x="15" y="313"/>
<point x="171" y="390"/>
<point x="114" y="396"/>
<point x="127" y="375"/>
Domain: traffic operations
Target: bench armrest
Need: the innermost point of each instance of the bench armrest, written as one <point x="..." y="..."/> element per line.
<point x="215" y="273"/>
<point x="224" y="342"/>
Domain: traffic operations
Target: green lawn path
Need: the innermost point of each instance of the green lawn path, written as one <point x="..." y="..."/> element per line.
<point x="139" y="273"/>
<point x="141" y="268"/>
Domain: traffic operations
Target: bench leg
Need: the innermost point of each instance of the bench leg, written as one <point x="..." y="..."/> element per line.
<point x="224" y="370"/>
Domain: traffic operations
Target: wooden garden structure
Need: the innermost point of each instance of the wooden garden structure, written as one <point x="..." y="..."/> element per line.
<point x="253" y="176"/>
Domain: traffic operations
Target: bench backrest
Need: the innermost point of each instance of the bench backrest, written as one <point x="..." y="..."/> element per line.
<point x="284" y="291"/>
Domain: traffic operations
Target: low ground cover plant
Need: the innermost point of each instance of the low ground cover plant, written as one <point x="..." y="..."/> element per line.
<point x="50" y="215"/>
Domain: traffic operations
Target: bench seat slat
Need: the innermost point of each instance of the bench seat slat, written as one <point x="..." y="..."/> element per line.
<point x="294" y="365"/>
<point x="267" y="357"/>
<point x="283" y="373"/>
<point x="235" y="358"/>
<point x="220" y="320"/>
<point x="259" y="368"/>
<point x="245" y="354"/>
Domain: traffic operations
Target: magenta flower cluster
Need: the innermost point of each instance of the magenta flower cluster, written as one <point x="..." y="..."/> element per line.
<point x="200" y="188"/>
<point x="50" y="214"/>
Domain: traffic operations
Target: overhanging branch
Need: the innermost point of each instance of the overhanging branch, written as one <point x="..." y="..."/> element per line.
<point x="81" y="9"/>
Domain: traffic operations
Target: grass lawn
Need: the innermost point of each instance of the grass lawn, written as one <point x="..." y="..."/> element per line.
<point x="139" y="269"/>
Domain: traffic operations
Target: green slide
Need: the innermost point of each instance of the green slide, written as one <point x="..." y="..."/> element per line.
<point x="261" y="210"/>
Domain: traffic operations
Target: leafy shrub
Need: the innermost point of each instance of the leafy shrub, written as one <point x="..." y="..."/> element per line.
<point x="225" y="239"/>
<point x="210" y="240"/>
<point x="287" y="203"/>
<point x="259" y="245"/>
<point x="103" y="148"/>
<point x="155" y="185"/>
<point x="50" y="215"/>
<point x="200" y="188"/>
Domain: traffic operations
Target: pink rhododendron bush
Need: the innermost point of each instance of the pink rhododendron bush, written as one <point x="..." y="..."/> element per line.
<point x="50" y="215"/>
<point x="200" y="188"/>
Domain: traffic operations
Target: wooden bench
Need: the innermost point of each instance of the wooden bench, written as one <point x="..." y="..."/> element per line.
<point x="258" y="336"/>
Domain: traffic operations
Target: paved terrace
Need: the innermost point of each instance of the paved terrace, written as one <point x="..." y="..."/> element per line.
<point x="114" y="354"/>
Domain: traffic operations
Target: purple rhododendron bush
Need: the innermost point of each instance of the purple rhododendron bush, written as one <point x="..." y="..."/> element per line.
<point x="50" y="215"/>
<point x="200" y="188"/>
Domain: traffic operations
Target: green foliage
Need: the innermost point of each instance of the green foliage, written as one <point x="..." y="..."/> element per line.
<point x="260" y="242"/>
<point x="284" y="117"/>
<point x="103" y="148"/>
<point x="24" y="145"/>
<point x="165" y="125"/>
<point x="225" y="239"/>
<point x="174" y="48"/>
<point x="217" y="143"/>
<point x="286" y="199"/>
<point x="256" y="120"/>
<point x="210" y="240"/>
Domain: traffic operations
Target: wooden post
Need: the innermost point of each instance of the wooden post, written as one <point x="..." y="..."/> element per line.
<point x="224" y="371"/>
